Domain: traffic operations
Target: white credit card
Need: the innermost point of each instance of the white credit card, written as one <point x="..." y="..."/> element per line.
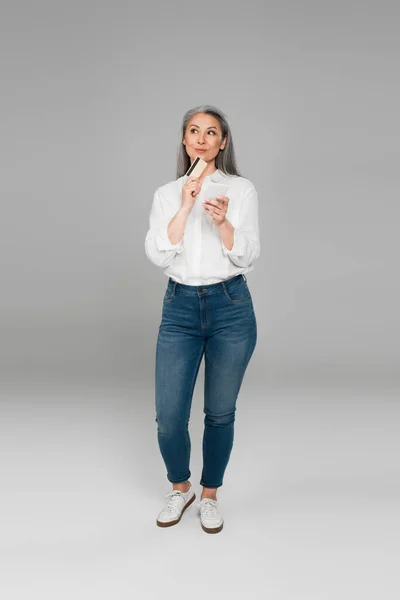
<point x="196" y="168"/>
<point x="215" y="189"/>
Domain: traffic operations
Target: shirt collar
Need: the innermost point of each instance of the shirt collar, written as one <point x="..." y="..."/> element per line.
<point x="216" y="176"/>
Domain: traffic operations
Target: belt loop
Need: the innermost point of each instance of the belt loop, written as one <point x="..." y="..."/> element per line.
<point x="244" y="276"/>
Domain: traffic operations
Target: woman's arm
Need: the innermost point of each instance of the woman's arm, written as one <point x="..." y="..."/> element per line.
<point x="164" y="238"/>
<point x="246" y="239"/>
<point x="176" y="227"/>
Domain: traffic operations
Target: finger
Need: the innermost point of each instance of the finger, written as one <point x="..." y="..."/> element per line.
<point x="213" y="211"/>
<point x="210" y="208"/>
<point x="212" y="202"/>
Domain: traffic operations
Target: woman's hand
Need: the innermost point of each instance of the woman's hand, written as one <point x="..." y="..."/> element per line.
<point x="189" y="192"/>
<point x="217" y="209"/>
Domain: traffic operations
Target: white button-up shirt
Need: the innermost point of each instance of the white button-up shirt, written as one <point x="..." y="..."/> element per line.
<point x="201" y="258"/>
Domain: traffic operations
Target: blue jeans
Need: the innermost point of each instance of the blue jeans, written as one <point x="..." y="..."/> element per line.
<point x="216" y="320"/>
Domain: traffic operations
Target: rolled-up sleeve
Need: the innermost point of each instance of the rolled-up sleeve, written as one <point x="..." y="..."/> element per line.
<point x="246" y="246"/>
<point x="158" y="246"/>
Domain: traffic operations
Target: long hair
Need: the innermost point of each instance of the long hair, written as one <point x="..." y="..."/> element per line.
<point x="225" y="160"/>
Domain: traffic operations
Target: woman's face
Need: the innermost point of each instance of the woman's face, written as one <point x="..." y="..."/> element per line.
<point x="203" y="137"/>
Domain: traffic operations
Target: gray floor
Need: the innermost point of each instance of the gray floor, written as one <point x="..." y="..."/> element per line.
<point x="310" y="498"/>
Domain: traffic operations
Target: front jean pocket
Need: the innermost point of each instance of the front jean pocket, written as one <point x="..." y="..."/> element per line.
<point x="238" y="293"/>
<point x="169" y="294"/>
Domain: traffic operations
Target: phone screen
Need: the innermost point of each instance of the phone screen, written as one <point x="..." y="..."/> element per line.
<point x="216" y="189"/>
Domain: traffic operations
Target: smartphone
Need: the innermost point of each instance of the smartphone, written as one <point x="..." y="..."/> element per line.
<point x="216" y="189"/>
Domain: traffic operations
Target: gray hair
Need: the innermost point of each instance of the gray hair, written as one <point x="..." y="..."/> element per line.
<point x="225" y="160"/>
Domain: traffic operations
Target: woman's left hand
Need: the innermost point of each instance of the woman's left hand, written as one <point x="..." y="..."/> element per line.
<point x="217" y="209"/>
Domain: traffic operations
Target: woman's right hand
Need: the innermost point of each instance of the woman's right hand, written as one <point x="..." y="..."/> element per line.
<point x="189" y="192"/>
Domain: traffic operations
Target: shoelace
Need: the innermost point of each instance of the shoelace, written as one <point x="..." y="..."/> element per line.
<point x="209" y="509"/>
<point x="171" y="505"/>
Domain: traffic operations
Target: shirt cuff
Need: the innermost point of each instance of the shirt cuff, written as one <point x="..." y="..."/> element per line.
<point x="164" y="243"/>
<point x="237" y="248"/>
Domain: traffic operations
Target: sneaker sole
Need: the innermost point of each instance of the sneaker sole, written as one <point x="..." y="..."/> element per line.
<point x="213" y="529"/>
<point x="170" y="523"/>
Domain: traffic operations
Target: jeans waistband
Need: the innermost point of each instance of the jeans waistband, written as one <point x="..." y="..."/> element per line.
<point x="212" y="288"/>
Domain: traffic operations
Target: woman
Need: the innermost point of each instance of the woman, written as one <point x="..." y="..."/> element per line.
<point x="205" y="247"/>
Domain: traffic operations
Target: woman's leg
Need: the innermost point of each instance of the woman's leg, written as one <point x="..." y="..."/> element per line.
<point x="178" y="357"/>
<point x="227" y="354"/>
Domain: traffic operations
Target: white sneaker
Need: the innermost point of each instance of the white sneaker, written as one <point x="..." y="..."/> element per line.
<point x="176" y="504"/>
<point x="211" y="520"/>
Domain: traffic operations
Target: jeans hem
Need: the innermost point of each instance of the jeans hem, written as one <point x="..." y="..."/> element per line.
<point x="210" y="486"/>
<point x="182" y="480"/>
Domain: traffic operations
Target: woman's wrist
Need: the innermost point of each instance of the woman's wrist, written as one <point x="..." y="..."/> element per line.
<point x="225" y="226"/>
<point x="185" y="210"/>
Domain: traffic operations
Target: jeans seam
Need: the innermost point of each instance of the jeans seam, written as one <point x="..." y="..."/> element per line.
<point x="196" y="370"/>
<point x="230" y="299"/>
<point x="173" y="293"/>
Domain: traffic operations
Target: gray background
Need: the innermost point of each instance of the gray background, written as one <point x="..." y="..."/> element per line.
<point x="92" y="98"/>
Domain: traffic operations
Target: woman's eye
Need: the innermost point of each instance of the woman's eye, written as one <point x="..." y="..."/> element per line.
<point x="194" y="131"/>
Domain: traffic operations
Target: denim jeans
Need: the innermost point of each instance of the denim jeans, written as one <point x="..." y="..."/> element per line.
<point x="217" y="321"/>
